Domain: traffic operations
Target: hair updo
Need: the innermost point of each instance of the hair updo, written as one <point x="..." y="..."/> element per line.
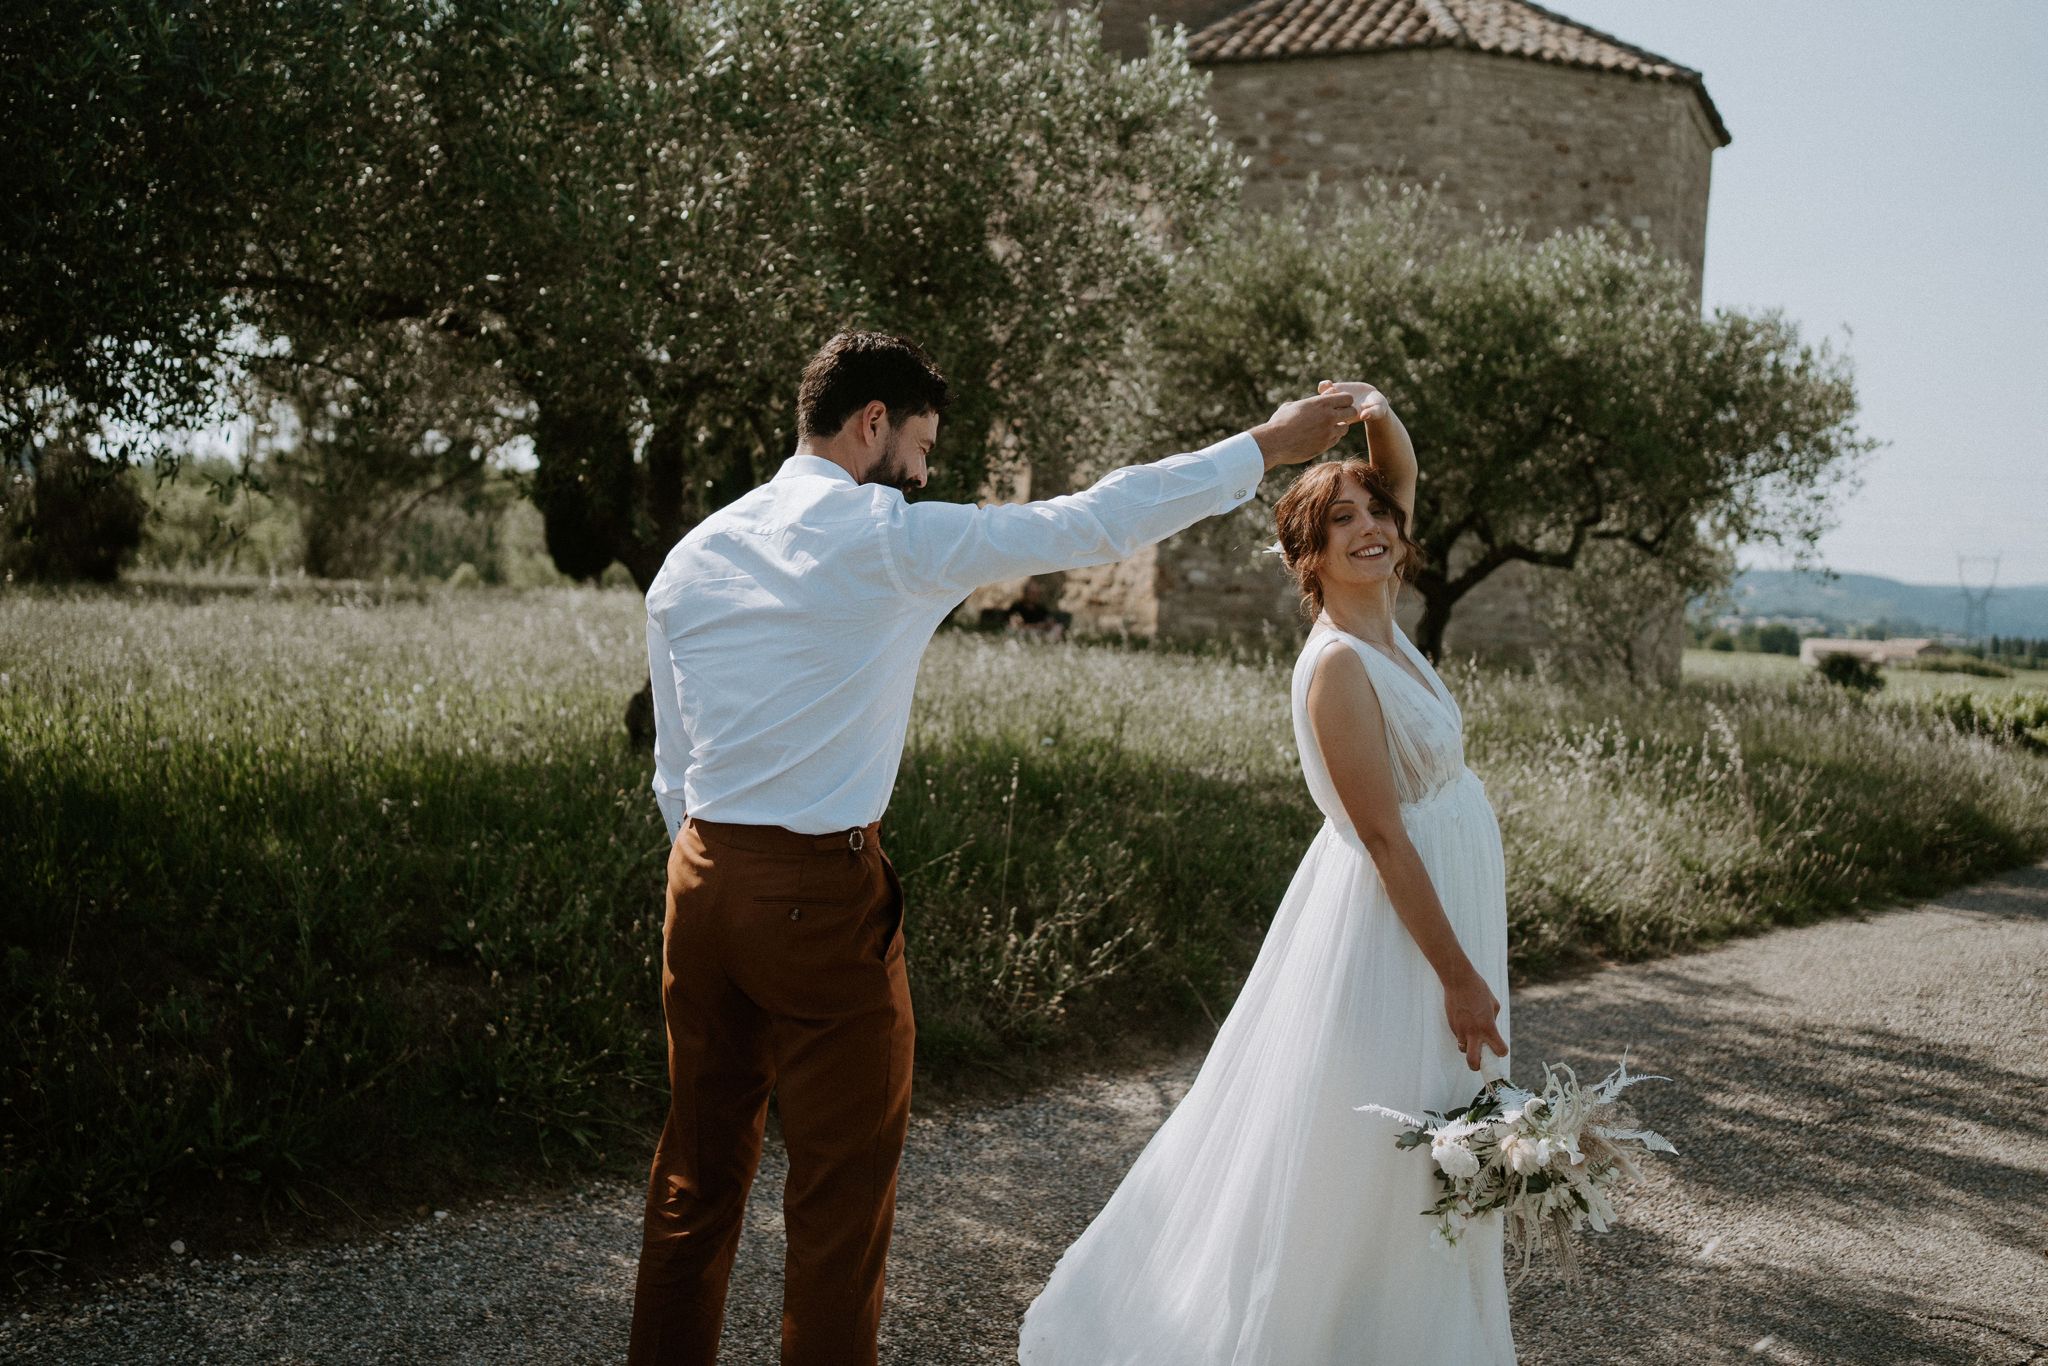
<point x="1302" y="519"/>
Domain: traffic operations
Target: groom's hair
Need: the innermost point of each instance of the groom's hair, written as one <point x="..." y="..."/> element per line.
<point x="855" y="369"/>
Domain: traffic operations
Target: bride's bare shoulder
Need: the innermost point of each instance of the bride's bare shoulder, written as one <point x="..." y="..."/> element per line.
<point x="1322" y="645"/>
<point x="1338" y="678"/>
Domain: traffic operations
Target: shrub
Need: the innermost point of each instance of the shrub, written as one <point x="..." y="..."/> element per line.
<point x="1958" y="664"/>
<point x="70" y="517"/>
<point x="1777" y="639"/>
<point x="1849" y="671"/>
<point x="2017" y="718"/>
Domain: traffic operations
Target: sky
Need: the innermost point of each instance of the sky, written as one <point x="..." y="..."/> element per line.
<point x="1887" y="187"/>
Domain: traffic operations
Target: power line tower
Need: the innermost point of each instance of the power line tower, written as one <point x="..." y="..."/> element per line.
<point x="1977" y="595"/>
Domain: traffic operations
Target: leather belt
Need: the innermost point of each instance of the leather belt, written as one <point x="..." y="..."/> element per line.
<point x="775" y="839"/>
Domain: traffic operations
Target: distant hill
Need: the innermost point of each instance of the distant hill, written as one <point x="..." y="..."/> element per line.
<point x="1862" y="599"/>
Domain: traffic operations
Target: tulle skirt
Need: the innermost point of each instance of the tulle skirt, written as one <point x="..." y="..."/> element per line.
<point x="1268" y="1223"/>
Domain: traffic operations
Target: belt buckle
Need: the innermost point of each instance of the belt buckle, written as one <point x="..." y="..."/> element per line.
<point x="856" y="840"/>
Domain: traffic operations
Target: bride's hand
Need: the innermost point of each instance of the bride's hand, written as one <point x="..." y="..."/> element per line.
<point x="1371" y="404"/>
<point x="1471" y="1007"/>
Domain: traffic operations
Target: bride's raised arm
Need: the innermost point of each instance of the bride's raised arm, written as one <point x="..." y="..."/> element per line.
<point x="1386" y="440"/>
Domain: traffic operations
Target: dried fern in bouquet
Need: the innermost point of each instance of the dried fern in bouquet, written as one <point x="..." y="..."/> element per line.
<point x="1549" y="1160"/>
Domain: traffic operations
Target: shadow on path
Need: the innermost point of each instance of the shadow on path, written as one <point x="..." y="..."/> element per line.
<point x="1861" y="1173"/>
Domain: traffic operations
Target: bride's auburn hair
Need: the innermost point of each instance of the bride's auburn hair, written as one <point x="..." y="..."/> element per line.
<point x="1302" y="519"/>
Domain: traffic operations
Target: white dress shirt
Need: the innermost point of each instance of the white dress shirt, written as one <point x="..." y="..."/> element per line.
<point x="784" y="632"/>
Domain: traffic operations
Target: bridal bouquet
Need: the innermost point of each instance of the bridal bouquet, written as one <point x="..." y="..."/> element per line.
<point x="1546" y="1159"/>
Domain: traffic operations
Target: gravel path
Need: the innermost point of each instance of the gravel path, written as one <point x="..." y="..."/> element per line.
<point x="1862" y="1178"/>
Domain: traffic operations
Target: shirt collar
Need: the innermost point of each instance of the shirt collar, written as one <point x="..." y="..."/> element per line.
<point x="816" y="466"/>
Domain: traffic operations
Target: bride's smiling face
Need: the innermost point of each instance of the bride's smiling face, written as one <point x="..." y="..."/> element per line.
<point x="1362" y="545"/>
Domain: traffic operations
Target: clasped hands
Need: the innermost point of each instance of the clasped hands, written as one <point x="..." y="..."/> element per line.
<point x="1306" y="427"/>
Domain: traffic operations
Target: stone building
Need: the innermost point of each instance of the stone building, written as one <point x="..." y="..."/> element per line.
<point x="1508" y="108"/>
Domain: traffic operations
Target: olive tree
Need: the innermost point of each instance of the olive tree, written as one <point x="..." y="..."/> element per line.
<point x="139" y="136"/>
<point x="135" y="134"/>
<point x="637" y="221"/>
<point x="643" y="219"/>
<point x="1563" y="394"/>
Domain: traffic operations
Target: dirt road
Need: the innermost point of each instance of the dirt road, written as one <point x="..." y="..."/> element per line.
<point x="1860" y="1109"/>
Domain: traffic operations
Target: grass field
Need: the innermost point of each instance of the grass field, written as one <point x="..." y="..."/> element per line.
<point x="1747" y="666"/>
<point x="307" y="887"/>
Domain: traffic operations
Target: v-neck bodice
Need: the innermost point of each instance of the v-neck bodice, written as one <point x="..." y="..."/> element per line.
<point x="1424" y="726"/>
<point x="1409" y="665"/>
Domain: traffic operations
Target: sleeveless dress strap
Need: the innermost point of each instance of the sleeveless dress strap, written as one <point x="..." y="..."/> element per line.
<point x="1406" y="730"/>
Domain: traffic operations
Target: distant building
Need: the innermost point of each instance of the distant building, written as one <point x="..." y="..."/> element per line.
<point x="1899" y="650"/>
<point x="1514" y="109"/>
<point x="1733" y="622"/>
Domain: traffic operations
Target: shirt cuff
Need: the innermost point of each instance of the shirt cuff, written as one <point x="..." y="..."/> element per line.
<point x="672" y="814"/>
<point x="1241" y="465"/>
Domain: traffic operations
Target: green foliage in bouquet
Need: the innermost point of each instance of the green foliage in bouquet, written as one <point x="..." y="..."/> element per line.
<point x="1541" y="1158"/>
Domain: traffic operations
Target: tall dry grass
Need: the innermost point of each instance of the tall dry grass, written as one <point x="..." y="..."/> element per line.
<point x="303" y="886"/>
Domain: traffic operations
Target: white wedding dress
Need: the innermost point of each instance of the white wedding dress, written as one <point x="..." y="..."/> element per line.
<point x="1268" y="1223"/>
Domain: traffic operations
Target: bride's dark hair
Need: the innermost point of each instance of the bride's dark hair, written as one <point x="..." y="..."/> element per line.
<point x="1302" y="519"/>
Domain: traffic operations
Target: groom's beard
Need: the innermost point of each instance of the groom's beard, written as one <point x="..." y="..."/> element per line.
<point x="889" y="469"/>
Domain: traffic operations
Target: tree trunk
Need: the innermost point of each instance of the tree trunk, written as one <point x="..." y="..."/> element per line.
<point x="600" y="507"/>
<point x="640" y="717"/>
<point x="1437" y="601"/>
<point x="583" y="486"/>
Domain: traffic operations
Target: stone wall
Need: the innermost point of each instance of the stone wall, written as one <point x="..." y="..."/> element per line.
<point x="1548" y="146"/>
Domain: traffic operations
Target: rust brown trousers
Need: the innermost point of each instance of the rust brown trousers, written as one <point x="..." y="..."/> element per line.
<point x="782" y="970"/>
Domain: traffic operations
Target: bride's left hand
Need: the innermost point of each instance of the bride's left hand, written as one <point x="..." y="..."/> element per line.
<point x="1371" y="404"/>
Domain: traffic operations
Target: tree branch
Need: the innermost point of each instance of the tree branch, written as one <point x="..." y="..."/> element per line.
<point x="405" y="509"/>
<point x="387" y="306"/>
<point x="1651" y="544"/>
<point x="1497" y="554"/>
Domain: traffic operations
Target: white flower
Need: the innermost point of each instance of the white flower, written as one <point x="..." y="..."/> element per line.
<point x="1525" y="1154"/>
<point x="1456" y="1159"/>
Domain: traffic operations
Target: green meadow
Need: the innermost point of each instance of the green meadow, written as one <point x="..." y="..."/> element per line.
<point x="311" y="886"/>
<point x="1750" y="666"/>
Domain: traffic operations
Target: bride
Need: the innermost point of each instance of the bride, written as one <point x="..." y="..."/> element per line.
<point x="1268" y="1223"/>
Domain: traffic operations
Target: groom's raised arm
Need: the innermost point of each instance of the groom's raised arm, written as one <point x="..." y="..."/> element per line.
<point x="950" y="549"/>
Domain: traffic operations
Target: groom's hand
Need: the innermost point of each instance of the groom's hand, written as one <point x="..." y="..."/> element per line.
<point x="1372" y="405"/>
<point x="1305" y="428"/>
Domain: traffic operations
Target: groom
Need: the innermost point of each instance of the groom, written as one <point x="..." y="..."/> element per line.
<point x="784" y="634"/>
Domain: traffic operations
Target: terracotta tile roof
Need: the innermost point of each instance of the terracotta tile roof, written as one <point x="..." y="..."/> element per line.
<point x="1272" y="29"/>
